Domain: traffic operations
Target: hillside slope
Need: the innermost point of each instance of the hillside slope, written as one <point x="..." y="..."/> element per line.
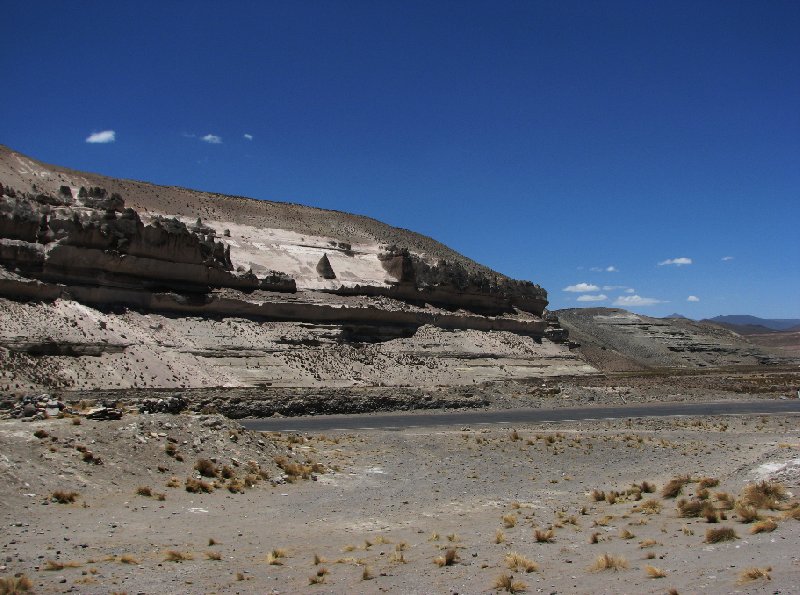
<point x="116" y="284"/>
<point x="616" y="340"/>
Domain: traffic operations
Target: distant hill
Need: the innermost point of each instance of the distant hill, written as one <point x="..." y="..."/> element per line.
<point x="612" y="339"/>
<point x="754" y="322"/>
<point x="676" y="315"/>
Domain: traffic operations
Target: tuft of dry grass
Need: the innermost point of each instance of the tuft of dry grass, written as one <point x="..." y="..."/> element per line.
<point x="58" y="565"/>
<point x="15" y="584"/>
<point x="398" y="555"/>
<point x="211" y="555"/>
<point x="507" y="583"/>
<point x="176" y="556"/>
<point x="235" y="486"/>
<point x="747" y="514"/>
<point x="128" y="559"/>
<point x="450" y="557"/>
<point x="144" y="491"/>
<point x="366" y="574"/>
<point x="725" y="500"/>
<point x="196" y="486"/>
<point x="519" y="563"/>
<point x="319" y="577"/>
<point x="206" y="468"/>
<point x="720" y="534"/>
<point x="499" y="536"/>
<point x="297" y="470"/>
<point x="793" y="513"/>
<point x="543" y="536"/>
<point x="654" y="572"/>
<point x="174" y="482"/>
<point x="674" y="486"/>
<point x="64" y="497"/>
<point x="597" y="495"/>
<point x="509" y="520"/>
<point x="764" y="494"/>
<point x="694" y="508"/>
<point x="274" y="557"/>
<point x="753" y="574"/>
<point x="626" y="534"/>
<point x="594" y="538"/>
<point x="707" y="482"/>
<point x="765" y="526"/>
<point x="647" y="487"/>
<point x="650" y="506"/>
<point x="609" y="562"/>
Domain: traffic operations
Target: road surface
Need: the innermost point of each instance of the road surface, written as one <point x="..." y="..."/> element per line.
<point x="461" y="418"/>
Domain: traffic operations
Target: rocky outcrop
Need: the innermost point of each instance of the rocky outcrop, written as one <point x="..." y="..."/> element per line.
<point x="324" y="268"/>
<point x="102" y="243"/>
<point x="452" y="285"/>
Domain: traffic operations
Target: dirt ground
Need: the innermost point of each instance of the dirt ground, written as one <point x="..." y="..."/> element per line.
<point x="379" y="510"/>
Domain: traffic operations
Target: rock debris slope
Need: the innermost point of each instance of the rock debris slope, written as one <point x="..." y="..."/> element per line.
<point x="117" y="284"/>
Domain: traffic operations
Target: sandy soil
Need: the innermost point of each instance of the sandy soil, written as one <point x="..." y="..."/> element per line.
<point x="390" y="502"/>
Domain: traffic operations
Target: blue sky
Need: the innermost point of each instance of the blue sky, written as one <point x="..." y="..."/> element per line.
<point x="548" y="140"/>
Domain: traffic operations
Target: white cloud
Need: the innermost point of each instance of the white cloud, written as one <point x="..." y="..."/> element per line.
<point x="630" y="290"/>
<point x="676" y="261"/>
<point x="212" y="138"/>
<point x="608" y="269"/>
<point x="587" y="297"/>
<point x="105" y="136"/>
<point x="248" y="136"/>
<point x="692" y="298"/>
<point x="581" y="288"/>
<point x="615" y="287"/>
<point x="635" y="300"/>
<point x="727" y="258"/>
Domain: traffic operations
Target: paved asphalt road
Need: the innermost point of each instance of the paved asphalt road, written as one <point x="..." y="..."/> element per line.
<point x="461" y="418"/>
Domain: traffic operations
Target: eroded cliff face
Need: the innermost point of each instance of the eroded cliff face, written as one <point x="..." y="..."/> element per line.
<point x="348" y="297"/>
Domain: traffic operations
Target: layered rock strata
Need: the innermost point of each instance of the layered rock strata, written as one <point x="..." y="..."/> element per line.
<point x="86" y="251"/>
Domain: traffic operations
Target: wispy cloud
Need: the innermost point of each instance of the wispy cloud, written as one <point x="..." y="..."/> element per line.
<point x="212" y="139"/>
<point x="588" y="297"/>
<point x="635" y="300"/>
<point x="630" y="290"/>
<point x="727" y="258"/>
<point x="105" y="136"/>
<point x="692" y="298"/>
<point x="615" y="287"/>
<point x="248" y="136"/>
<point x="609" y="269"/>
<point x="581" y="287"/>
<point x="676" y="261"/>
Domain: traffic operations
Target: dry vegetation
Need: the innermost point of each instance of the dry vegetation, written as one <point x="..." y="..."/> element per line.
<point x="640" y="523"/>
<point x="609" y="562"/>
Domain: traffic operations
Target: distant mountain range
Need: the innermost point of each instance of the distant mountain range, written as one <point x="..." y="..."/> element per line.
<point x="768" y="324"/>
